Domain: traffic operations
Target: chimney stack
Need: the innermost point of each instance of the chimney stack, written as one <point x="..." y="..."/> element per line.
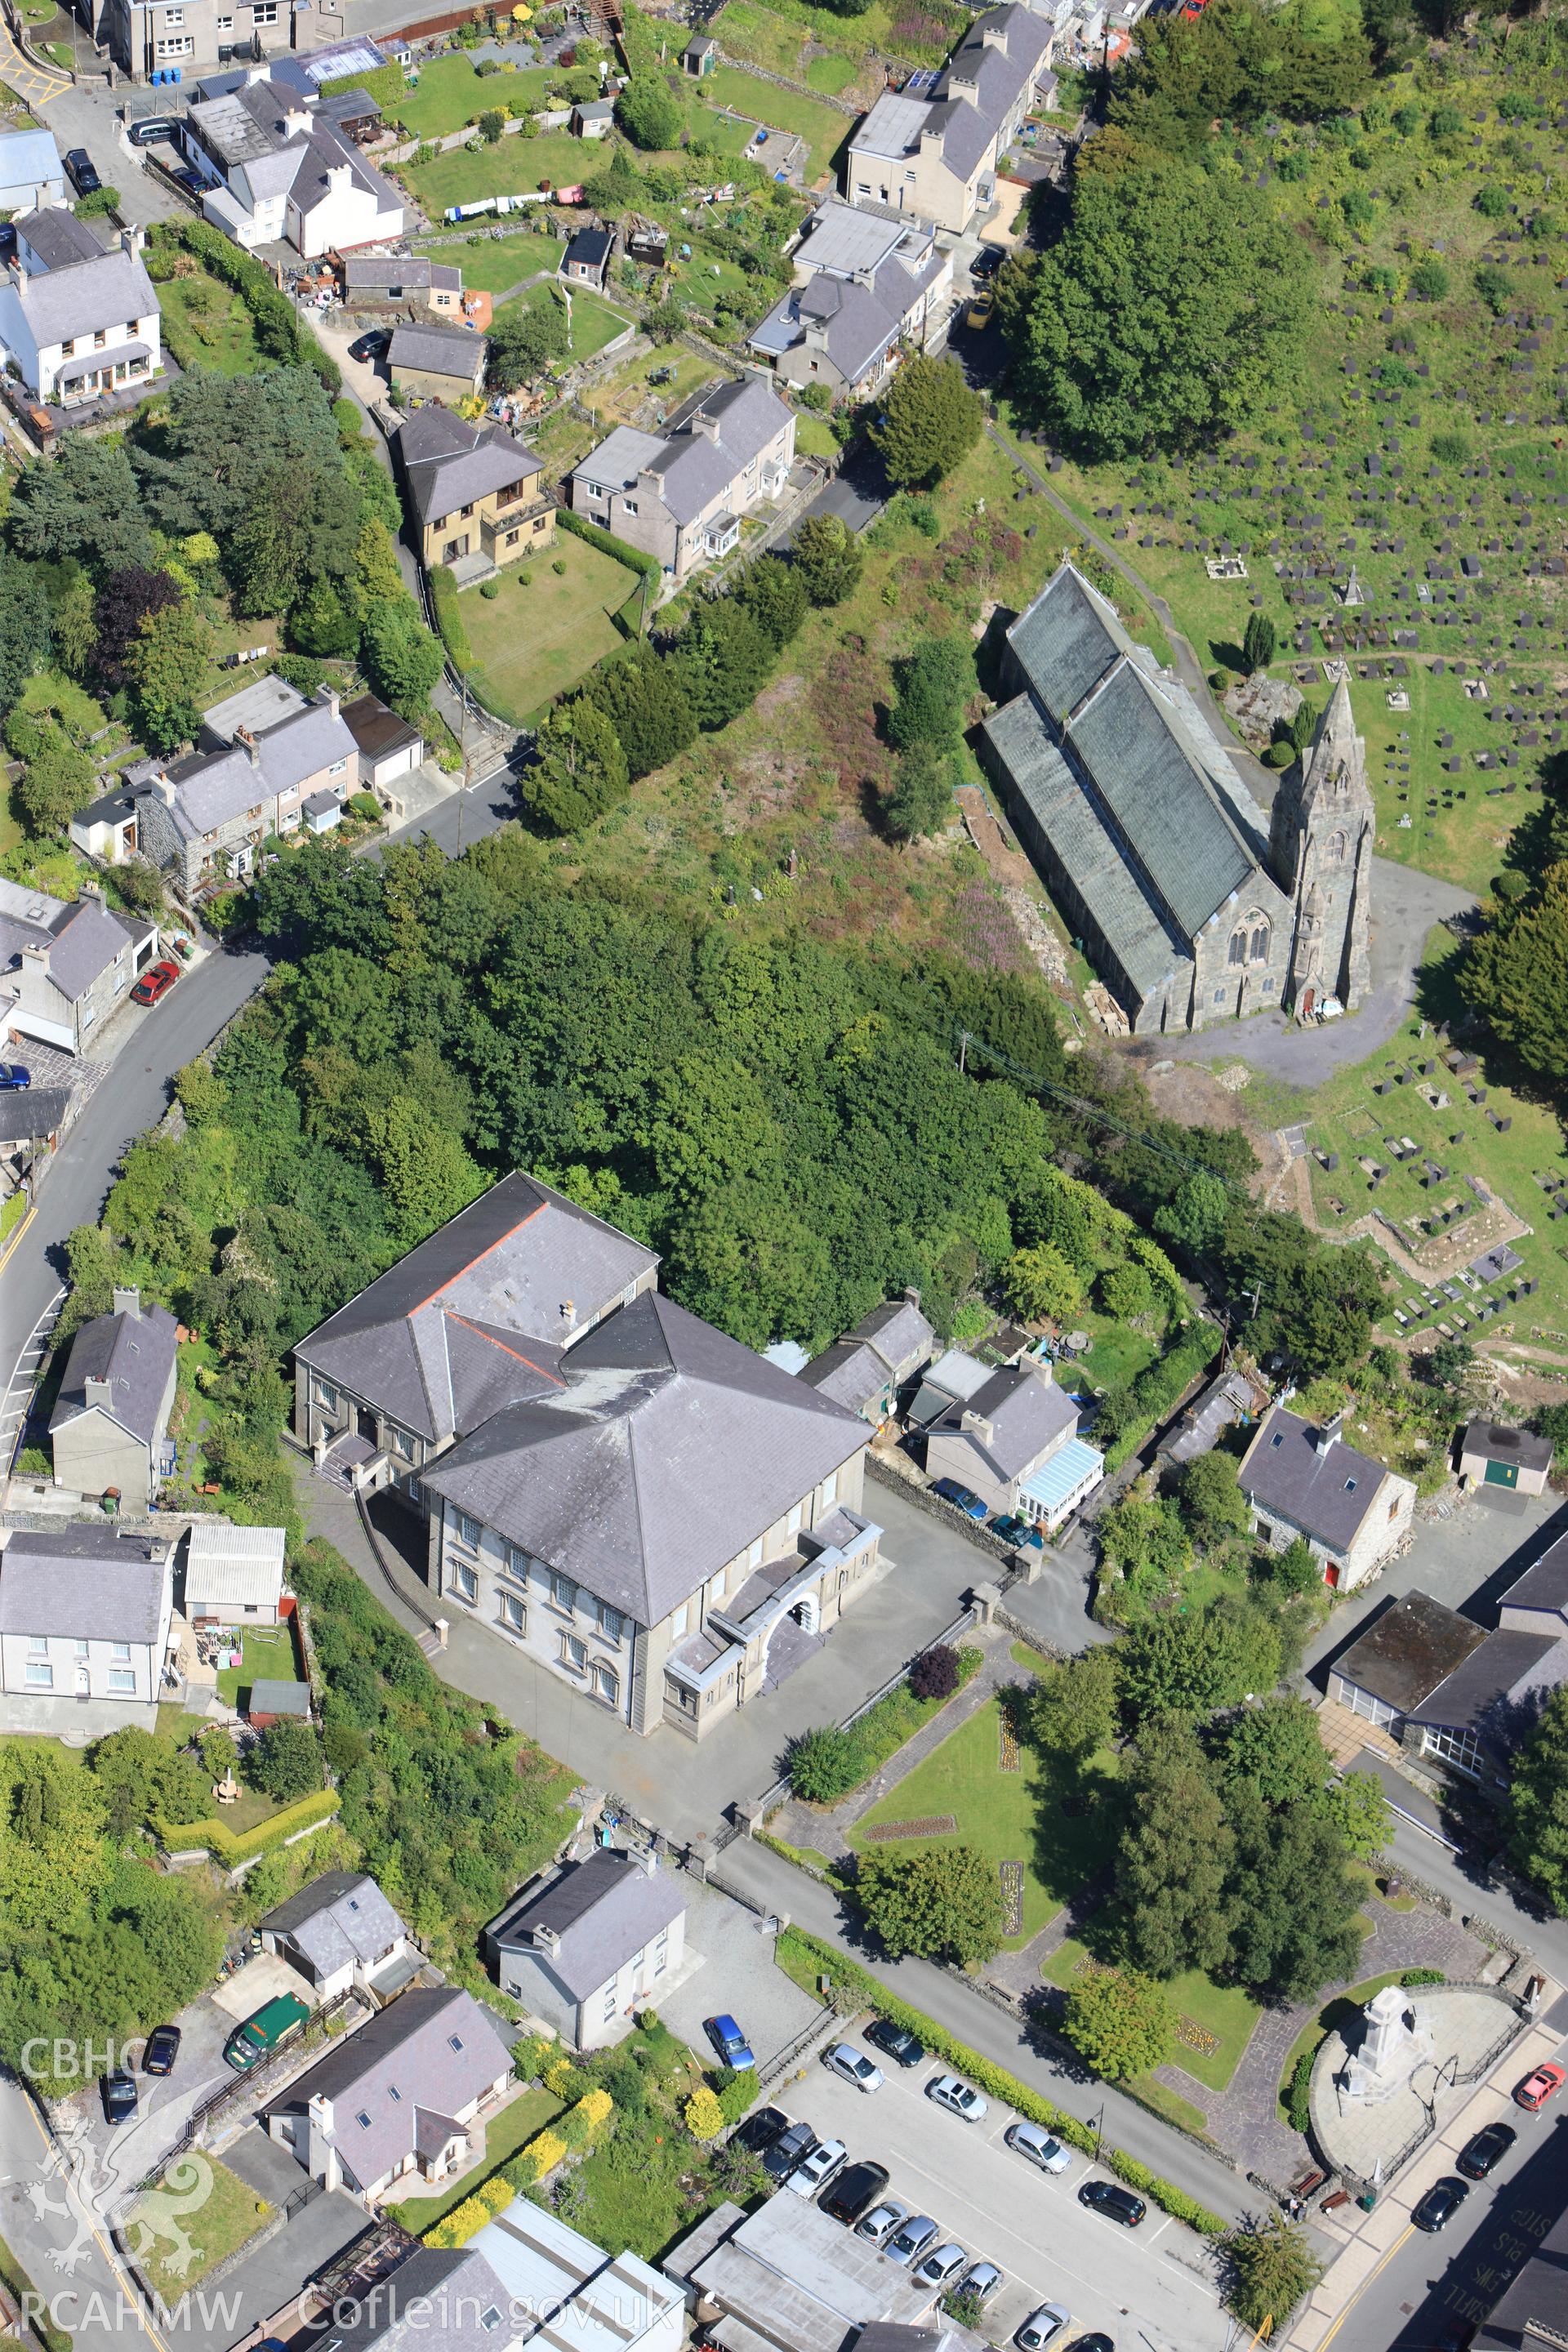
<point x="129" y="1302"/>
<point x="702" y="422"/>
<point x="1331" y="1432"/>
<point x="243" y="735"/>
<point x="100" y="1393"/>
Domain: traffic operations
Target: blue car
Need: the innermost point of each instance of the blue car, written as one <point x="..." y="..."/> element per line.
<point x="730" y="2043"/>
<point x="960" y="1497"/>
<point x="1018" y="1532"/>
<point x="13" y="1076"/>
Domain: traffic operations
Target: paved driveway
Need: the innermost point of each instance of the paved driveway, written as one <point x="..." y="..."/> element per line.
<point x="737" y="1975"/>
<point x="1151" y="2288"/>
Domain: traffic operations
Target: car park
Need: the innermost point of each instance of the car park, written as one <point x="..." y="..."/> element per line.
<point x="950" y="2091"/>
<point x="150" y="131"/>
<point x="911" y="2239"/>
<point x="781" y="2159"/>
<point x="1118" y="2204"/>
<point x="817" y="2168"/>
<point x="163" y="2049"/>
<point x="857" y="2188"/>
<point x="13" y="1077"/>
<point x="1437" y="2207"/>
<point x="940" y="2267"/>
<point x="960" y="1497"/>
<point x="896" y="2042"/>
<point x="981" y="2280"/>
<point x="880" y="2223"/>
<point x="1036" y="2146"/>
<point x="1485" y="2151"/>
<point x="154" y="983"/>
<point x="119" y="2097"/>
<point x="1043" y="2326"/>
<point x="730" y="2043"/>
<point x="1098" y="2342"/>
<point x="81" y="170"/>
<point x="759" y="2128"/>
<point x="1537" y="2088"/>
<point x="854" y="2065"/>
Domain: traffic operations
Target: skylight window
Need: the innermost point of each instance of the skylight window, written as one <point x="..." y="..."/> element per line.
<point x="1350" y="1486"/>
<point x="1277" y="1438"/>
<point x="454" y="2041"/>
<point x="362" y="2120"/>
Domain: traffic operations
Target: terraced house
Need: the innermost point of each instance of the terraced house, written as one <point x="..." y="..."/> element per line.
<point x="612" y="1486"/>
<point x="682" y="495"/>
<point x="934" y="150"/>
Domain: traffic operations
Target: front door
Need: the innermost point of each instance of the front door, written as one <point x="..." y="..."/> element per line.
<point x="1308" y="997"/>
<point x="454" y="547"/>
<point x="365" y="1421"/>
<point x="1502" y="1474"/>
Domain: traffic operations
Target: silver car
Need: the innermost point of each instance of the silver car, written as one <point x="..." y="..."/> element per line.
<point x="911" y="2239"/>
<point x="1042" y="2327"/>
<point x="941" y="2266"/>
<point x="854" y="2065"/>
<point x="981" y="2280"/>
<point x="880" y="2223"/>
<point x="815" y="2171"/>
<point x="1034" y="2144"/>
<point x="957" y="2097"/>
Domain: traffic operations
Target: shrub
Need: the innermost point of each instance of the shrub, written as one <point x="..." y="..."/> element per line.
<point x="564" y="2080"/>
<point x="1429" y="280"/>
<point x="490" y="590"/>
<point x="703" y="2116"/>
<point x="1219" y="681"/>
<point x="1298" y="2103"/>
<point x="1423" y="1976"/>
<point x="525" y="579"/>
<point x="456" y="2227"/>
<point x="737" y="2093"/>
<point x="608" y="545"/>
<point x="935" y="1675"/>
<point x="530" y="2056"/>
<point x="449" y="619"/>
<point x="228" y="1850"/>
<point x="823" y="1765"/>
<point x="559" y="568"/>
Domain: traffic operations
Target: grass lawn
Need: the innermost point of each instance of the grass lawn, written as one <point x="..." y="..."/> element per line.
<point x="450" y="93"/>
<point x="493" y="263"/>
<point x="1218" y="2019"/>
<point x="1009" y="1816"/>
<point x="621" y="395"/>
<point x="511" y="168"/>
<point x="1117" y="1356"/>
<point x="230" y="2216"/>
<point x="833" y="74"/>
<point x="528" y="2114"/>
<point x="269" y="1655"/>
<point x="532" y="643"/>
<point x="822" y="128"/>
<point x="211" y="326"/>
<point x="1034" y="1661"/>
<point x="594" y="323"/>
<point x="814" y="436"/>
<point x="761" y="39"/>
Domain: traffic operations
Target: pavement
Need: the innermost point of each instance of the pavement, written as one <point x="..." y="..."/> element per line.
<point x="1153" y="2286"/>
<point x="730" y="1968"/>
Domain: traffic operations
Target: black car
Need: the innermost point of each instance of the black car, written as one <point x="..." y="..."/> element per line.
<point x="82" y="171"/>
<point x="1095" y="2343"/>
<point x="854" y="2192"/>
<point x="1485" y="2151"/>
<point x="787" y="2150"/>
<point x="163" y="2049"/>
<point x="895" y="2042"/>
<point x="1118" y="2204"/>
<point x="760" y="2129"/>
<point x="1441" y="2202"/>
<point x="119" y="2097"/>
<point x="369" y="346"/>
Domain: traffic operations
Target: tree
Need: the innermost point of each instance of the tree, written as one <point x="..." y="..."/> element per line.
<point x="1275" y="1750"/>
<point x="1212" y="1501"/>
<point x="1125" y="1291"/>
<point x="164" y="664"/>
<point x="580" y="769"/>
<point x="1259" y="645"/>
<point x="224" y="436"/>
<point x="1121" y="2022"/>
<point x="822" y="1765"/>
<point x="1551" y="1420"/>
<point x="491" y="123"/>
<point x="930" y="420"/>
<point x="649" y="113"/>
<point x="1192" y="1665"/>
<point x="773" y="592"/>
<point x="286" y="1762"/>
<point x="1173" y="1859"/>
<point x="931" y="686"/>
<point x="1538" y="1803"/>
<point x="426" y="1175"/>
<point x="937" y="1902"/>
<point x="326" y="622"/>
<point x="126" y="599"/>
<point x="1272" y="2266"/>
<point x="1072" y="1711"/>
<point x="55" y="780"/>
<point x="1291" y="1902"/>
<point x="521" y="343"/>
<point x="74" y="627"/>
<point x="1195" y="1218"/>
<point x="1144" y="1536"/>
<point x="935" y="1673"/>
<point x="1167" y="310"/>
<point x="1039" y="1284"/>
<point x="724" y="658"/>
<point x="293" y="533"/>
<point x="401" y="659"/>
<point x="828" y="557"/>
<point x="83" y="503"/>
<point x="642" y="696"/>
<point x="921" y="801"/>
<point x="1355" y="1802"/>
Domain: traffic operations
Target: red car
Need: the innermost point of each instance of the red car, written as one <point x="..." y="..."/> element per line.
<point x="154" y="983"/>
<point x="1537" y="2088"/>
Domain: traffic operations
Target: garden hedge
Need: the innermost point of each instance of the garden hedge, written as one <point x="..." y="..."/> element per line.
<point x="607" y="542"/>
<point x="279" y="330"/>
<point x="443" y="595"/>
<point x="224" y="1847"/>
<point x="988" y="2077"/>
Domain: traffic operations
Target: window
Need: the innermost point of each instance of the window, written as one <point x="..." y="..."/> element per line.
<point x="514" y="1561"/>
<point x="1350" y="1486"/>
<point x="1462" y="1749"/>
<point x="1393" y="1513"/>
<point x="99" y="340"/>
<point x="513" y="1615"/>
<point x="564" y="1594"/>
<point x="490" y="2319"/>
<point x="512" y="538"/>
<point x="264" y="12"/>
<point x="414" y="1491"/>
<point x="715" y="1586"/>
<point x="40" y="1677"/>
<point x="400" y="1441"/>
<point x="574" y="1655"/>
<point x="121" y="1678"/>
<point x="679" y="1621"/>
<point x="468" y="1529"/>
<point x="1238" y="947"/>
<point x="609" y="2000"/>
<point x="1277" y="1438"/>
<point x="454" y="2041"/>
<point x="1219" y="996"/>
<point x="465" y="1583"/>
<point x="119" y="1649"/>
<point x="1268" y="985"/>
<point x="37" y="1645"/>
<point x="362" y="2120"/>
<point x="612" y="1624"/>
<point x="1260" y="944"/>
<point x="543" y="524"/>
<point x="337" y="767"/>
<point x="607" y="1684"/>
<point x="684" y="1699"/>
<point x="794" y="1520"/>
<point x="1334" y="849"/>
<point x="181" y="46"/>
<point x="395" y="2094"/>
<point x="754" y="1557"/>
<point x="173" y="16"/>
<point x="80" y="1648"/>
<point x="223" y="24"/>
<point x="661" y="1953"/>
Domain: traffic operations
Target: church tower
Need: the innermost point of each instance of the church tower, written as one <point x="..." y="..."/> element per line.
<point x="1321" y="836"/>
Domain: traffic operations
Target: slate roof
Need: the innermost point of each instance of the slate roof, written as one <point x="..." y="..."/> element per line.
<point x="83" y="1582"/>
<point x="377" y="730"/>
<point x="667" y="1448"/>
<point x="1067" y="641"/>
<point x="439" y="2297"/>
<point x="454" y="352"/>
<point x="406" y="2048"/>
<point x="860" y="323"/>
<point x="1500" y="1444"/>
<point x="416" y="274"/>
<point x="850" y="1372"/>
<point x="1498" y="1676"/>
<point x="694" y="470"/>
<point x="212" y="788"/>
<point x="899" y="1334"/>
<point x="1228" y="1398"/>
<point x="340" y="1919"/>
<point x="604" y="1909"/>
<point x="82" y="937"/>
<point x="86" y="297"/>
<point x="31" y="1112"/>
<point x="471" y="1321"/>
<point x="448" y="462"/>
<point x="135" y="1353"/>
<point x="1409" y="1651"/>
<point x="968" y="123"/>
<point x="591" y="248"/>
<point x="1328" y="1495"/>
<point x="1027" y="1413"/>
<point x="57" y="237"/>
<point x="1542" y="1586"/>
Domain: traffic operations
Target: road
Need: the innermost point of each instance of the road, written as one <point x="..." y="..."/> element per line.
<point x="48" y="2218"/>
<point x="1152" y="2285"/>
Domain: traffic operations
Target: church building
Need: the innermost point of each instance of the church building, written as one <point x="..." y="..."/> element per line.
<point x="1192" y="905"/>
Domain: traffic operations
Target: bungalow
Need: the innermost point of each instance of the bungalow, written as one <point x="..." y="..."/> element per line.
<point x="1014" y="1442"/>
<point x="110" y="1427"/>
<point x="866" y="288"/>
<point x="1300" y="1480"/>
<point x="597" y="1940"/>
<point x="866" y="1369"/>
<point x="438" y="363"/>
<point x="86" y="1617"/>
<point x="64" y="964"/>
<point x="1493" y="1456"/>
<point x="411" y="282"/>
<point x="338" y="1932"/>
<point x="680" y="494"/>
<point x="77" y="320"/>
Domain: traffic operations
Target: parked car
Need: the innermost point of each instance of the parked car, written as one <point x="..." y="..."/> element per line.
<point x="730" y="2043"/>
<point x="854" y="2065"/>
<point x="817" y="2168"/>
<point x="1437" y="2207"/>
<point x="119" y="2097"/>
<point x="960" y="1497"/>
<point x="879" y="2225"/>
<point x="154" y="983"/>
<point x="82" y="171"/>
<point x="1537" y="2088"/>
<point x="260" y="2035"/>
<point x="1042" y="2327"/>
<point x="986" y="262"/>
<point x="760" y="2128"/>
<point x="910" y="2241"/>
<point x="856" y="2187"/>
<point x="950" y="2092"/>
<point x="781" y="2159"/>
<point x="192" y="182"/>
<point x="1036" y="2146"/>
<point x="1098" y="2342"/>
<point x="150" y="131"/>
<point x="941" y="2266"/>
<point x="980" y="305"/>
<point x="896" y="2042"/>
<point x="981" y="2280"/>
<point x="1485" y="2151"/>
<point x="1118" y="2204"/>
<point x="163" y="2049"/>
<point x="370" y="346"/>
<point x="1014" y="1529"/>
<point x="13" y="1077"/>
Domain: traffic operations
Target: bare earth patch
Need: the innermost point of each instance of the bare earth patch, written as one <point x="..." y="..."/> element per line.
<point x="925" y="1825"/>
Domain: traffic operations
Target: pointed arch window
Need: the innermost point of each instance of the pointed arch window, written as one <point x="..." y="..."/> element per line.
<point x="1238" y="945"/>
<point x="1334" y="849"/>
<point x="1260" y="943"/>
